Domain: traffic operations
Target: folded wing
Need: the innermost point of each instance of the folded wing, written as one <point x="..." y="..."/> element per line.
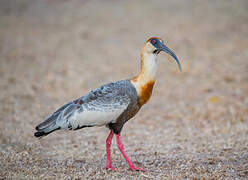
<point x="99" y="107"/>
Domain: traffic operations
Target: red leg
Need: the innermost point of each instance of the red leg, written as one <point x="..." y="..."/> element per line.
<point x="108" y="149"/>
<point x="121" y="148"/>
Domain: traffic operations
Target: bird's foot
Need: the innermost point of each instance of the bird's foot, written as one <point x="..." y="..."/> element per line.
<point x="134" y="168"/>
<point x="110" y="168"/>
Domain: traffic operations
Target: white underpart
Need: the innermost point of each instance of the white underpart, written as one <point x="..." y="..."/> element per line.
<point x="149" y="73"/>
<point x="95" y="118"/>
<point x="150" y="66"/>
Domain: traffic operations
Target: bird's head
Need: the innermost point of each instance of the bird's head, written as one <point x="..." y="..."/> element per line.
<point x="155" y="45"/>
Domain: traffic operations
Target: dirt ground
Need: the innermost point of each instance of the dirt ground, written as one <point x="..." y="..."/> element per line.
<point x="195" y="126"/>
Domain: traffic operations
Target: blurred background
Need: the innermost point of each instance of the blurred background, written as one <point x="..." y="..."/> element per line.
<point x="194" y="126"/>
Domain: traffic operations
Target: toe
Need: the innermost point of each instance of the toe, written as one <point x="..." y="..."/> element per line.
<point x="110" y="168"/>
<point x="134" y="168"/>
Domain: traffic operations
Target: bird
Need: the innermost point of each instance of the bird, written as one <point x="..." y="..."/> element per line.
<point x="111" y="105"/>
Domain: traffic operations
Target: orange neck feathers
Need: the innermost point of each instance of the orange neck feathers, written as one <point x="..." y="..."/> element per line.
<point x="144" y="82"/>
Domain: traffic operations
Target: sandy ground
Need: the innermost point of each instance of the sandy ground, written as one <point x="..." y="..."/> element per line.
<point x="194" y="126"/>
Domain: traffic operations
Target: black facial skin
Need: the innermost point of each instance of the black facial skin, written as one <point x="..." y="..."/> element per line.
<point x="154" y="42"/>
<point x="156" y="51"/>
<point x="161" y="47"/>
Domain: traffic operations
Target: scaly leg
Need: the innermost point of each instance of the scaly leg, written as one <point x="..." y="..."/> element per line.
<point x="108" y="150"/>
<point x="121" y="148"/>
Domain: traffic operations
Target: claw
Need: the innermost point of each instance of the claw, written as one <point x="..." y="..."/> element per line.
<point x="110" y="168"/>
<point x="134" y="168"/>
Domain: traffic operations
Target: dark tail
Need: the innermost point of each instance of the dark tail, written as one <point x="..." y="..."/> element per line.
<point x="40" y="134"/>
<point x="58" y="117"/>
<point x="47" y="127"/>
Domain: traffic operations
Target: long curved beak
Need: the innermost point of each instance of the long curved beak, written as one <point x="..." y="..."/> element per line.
<point x="162" y="47"/>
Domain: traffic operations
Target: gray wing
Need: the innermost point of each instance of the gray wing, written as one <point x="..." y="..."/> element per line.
<point x="99" y="107"/>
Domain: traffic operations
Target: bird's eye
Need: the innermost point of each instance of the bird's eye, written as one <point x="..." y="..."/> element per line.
<point x="154" y="41"/>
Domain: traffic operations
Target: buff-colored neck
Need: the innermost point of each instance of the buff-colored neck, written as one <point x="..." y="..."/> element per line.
<point x="144" y="82"/>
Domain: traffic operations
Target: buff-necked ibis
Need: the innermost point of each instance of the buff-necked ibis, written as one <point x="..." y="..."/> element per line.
<point x="112" y="104"/>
